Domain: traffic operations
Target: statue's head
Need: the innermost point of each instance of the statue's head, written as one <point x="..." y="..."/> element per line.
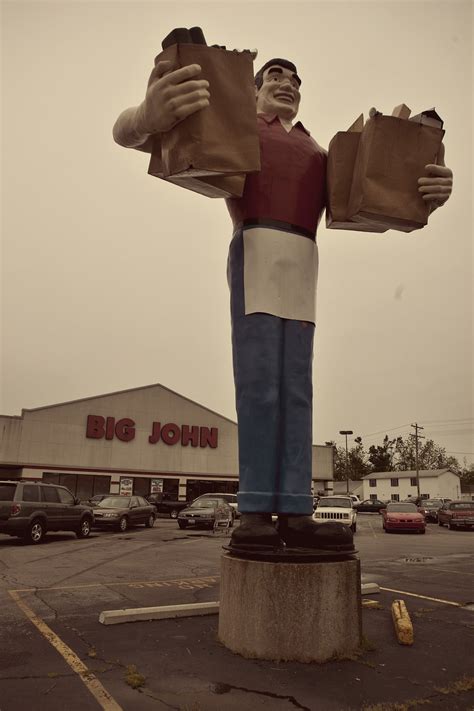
<point x="277" y="88"/>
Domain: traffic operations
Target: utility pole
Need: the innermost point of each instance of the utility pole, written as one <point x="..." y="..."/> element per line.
<point x="346" y="432"/>
<point x="417" y="436"/>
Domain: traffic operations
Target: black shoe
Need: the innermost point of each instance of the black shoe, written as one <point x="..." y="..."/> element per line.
<point x="256" y="532"/>
<point x="304" y="532"/>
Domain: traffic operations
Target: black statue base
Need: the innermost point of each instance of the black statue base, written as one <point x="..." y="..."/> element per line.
<point x="290" y="555"/>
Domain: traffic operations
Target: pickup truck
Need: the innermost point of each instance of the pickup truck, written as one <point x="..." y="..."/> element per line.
<point x="164" y="503"/>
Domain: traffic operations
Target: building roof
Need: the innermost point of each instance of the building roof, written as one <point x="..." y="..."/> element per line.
<point x="423" y="473"/>
<point x="156" y="386"/>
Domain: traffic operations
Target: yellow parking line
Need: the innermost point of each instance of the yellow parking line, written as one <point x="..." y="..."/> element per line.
<point x="91" y="682"/>
<point x="424" y="597"/>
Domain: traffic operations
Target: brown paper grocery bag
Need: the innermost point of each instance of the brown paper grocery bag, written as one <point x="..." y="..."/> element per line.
<point x="212" y="150"/>
<point x="342" y="154"/>
<point x="391" y="156"/>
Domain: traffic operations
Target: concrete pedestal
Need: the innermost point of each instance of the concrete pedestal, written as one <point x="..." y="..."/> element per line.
<point x="304" y="612"/>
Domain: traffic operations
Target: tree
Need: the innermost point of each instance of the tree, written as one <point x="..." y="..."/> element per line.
<point x="381" y="456"/>
<point x="357" y="461"/>
<point x="430" y="455"/>
<point x="359" y="464"/>
<point x="467" y="473"/>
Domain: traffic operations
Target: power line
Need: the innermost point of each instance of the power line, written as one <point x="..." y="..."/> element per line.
<point x="392" y="429"/>
<point x="464" y="419"/>
<point x="400" y="427"/>
<point x="429" y="430"/>
<point x="464" y="431"/>
<point x="448" y="451"/>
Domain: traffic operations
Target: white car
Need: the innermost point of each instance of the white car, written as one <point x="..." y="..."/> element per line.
<point x="336" y="508"/>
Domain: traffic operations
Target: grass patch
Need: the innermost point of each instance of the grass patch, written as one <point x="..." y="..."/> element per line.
<point x="133" y="678"/>
<point x="404" y="706"/>
<point x="372" y="605"/>
<point x="366" y="645"/>
<point x="465" y="683"/>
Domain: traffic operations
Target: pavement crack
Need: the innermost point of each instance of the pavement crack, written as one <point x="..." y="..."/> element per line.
<point x="220" y="688"/>
<point x="149" y="695"/>
<point x="37" y="595"/>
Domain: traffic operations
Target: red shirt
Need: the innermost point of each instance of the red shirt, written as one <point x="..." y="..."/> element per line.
<point x="290" y="187"/>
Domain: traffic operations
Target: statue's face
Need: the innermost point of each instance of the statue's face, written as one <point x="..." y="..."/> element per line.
<point x="279" y="93"/>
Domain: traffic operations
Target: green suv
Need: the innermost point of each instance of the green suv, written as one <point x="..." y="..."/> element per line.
<point x="29" y="509"/>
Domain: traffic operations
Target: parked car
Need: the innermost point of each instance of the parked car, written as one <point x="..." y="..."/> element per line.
<point x="230" y="498"/>
<point x="122" y="512"/>
<point x="336" y="508"/>
<point x="429" y="508"/>
<point x="370" y="506"/>
<point x="457" y="514"/>
<point x="165" y="503"/>
<point x="401" y="516"/>
<point x="94" y="500"/>
<point x="203" y="511"/>
<point x="29" y="510"/>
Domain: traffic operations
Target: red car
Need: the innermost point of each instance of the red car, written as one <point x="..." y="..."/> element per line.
<point x="457" y="514"/>
<point x="401" y="516"/>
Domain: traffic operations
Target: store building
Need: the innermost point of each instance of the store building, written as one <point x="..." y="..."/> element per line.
<point x="142" y="440"/>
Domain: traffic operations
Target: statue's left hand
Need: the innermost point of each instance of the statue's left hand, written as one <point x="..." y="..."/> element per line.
<point x="437" y="184"/>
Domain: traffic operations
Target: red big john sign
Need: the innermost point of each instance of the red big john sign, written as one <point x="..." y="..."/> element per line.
<point x="99" y="427"/>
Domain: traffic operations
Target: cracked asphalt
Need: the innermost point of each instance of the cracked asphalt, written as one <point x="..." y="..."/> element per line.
<point x="179" y="664"/>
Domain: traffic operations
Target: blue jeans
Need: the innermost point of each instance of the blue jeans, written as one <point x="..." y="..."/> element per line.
<point x="272" y="360"/>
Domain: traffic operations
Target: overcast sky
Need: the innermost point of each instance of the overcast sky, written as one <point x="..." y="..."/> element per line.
<point x="113" y="279"/>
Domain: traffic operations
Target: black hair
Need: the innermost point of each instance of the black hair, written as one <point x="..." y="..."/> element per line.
<point x="285" y="63"/>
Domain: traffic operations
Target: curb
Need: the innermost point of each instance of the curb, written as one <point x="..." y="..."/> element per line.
<point x="139" y="614"/>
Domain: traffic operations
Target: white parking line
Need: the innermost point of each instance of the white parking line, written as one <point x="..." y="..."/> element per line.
<point x="372" y="529"/>
<point x="423" y="597"/>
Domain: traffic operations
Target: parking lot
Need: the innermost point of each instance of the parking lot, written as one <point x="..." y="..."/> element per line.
<point x="55" y="654"/>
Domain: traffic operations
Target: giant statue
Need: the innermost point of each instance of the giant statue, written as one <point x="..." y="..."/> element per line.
<point x="272" y="276"/>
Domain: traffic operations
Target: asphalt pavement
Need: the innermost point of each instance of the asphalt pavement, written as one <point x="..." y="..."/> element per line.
<point x="54" y="653"/>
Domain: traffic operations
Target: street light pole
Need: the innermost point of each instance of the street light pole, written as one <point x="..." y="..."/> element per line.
<point x="346" y="432"/>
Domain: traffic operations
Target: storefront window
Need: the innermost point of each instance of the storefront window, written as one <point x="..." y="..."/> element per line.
<point x="197" y="487"/>
<point x="141" y="486"/>
<point x="171" y="488"/>
<point x="84" y="486"/>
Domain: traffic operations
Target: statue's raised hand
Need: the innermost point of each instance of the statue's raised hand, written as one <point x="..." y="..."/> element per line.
<point x="172" y="95"/>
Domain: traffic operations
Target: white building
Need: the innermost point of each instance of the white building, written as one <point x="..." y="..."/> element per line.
<point x="141" y="440"/>
<point x="396" y="486"/>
